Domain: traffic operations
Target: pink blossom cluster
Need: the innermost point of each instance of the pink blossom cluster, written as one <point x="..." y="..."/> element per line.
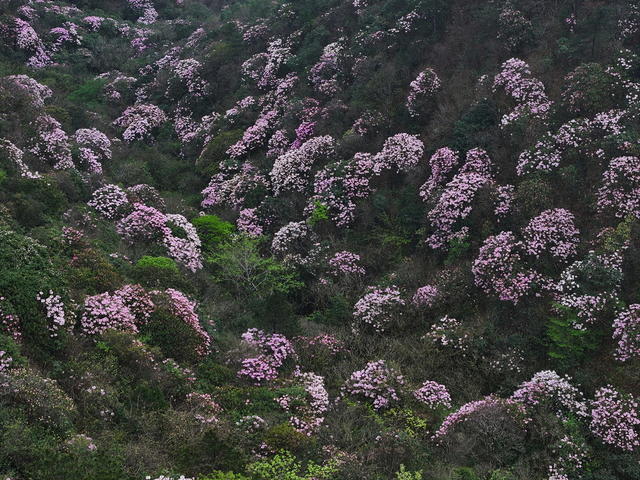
<point x="149" y="13"/>
<point x="426" y="296"/>
<point x="262" y="68"/>
<point x="94" y="22"/>
<point x="627" y="332"/>
<point x="110" y="201"/>
<point x="514" y="29"/>
<point x="292" y="239"/>
<point x="590" y="301"/>
<point x="339" y="185"/>
<point x="291" y="171"/>
<point x="54" y="312"/>
<point x="442" y="163"/>
<point x="138" y="301"/>
<point x="185" y="309"/>
<point x="231" y="188"/>
<point x="504" y="198"/>
<point x="487" y="405"/>
<point x="433" y="395"/>
<point x="310" y="416"/>
<point x="324" y="342"/>
<point x="422" y="89"/>
<point x="249" y="222"/>
<point x="378" y="308"/>
<point x="528" y="92"/>
<point x="552" y="231"/>
<point x="94" y="147"/>
<point x="614" y="419"/>
<point x="448" y="333"/>
<point x="9" y="322"/>
<point x="273" y="351"/>
<point x="254" y="136"/>
<point x="188" y="72"/>
<point x="498" y="268"/>
<point x="150" y="224"/>
<point x="553" y="391"/>
<point x="37" y="92"/>
<point x="377" y="382"/>
<point x="27" y="39"/>
<point x="16" y="155"/>
<point x="401" y="152"/>
<point x="67" y="34"/>
<point x="324" y="74"/>
<point x="454" y="205"/>
<point x="51" y="144"/>
<point x="583" y="136"/>
<point x="251" y="423"/>
<point x="571" y="457"/>
<point x="5" y="361"/>
<point x="139" y="121"/>
<point x="106" y="311"/>
<point x="346" y="263"/>
<point x="620" y="190"/>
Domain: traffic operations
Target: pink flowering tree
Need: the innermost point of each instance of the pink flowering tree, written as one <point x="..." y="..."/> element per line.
<point x="499" y="268"/>
<point x="378" y="308"/>
<point x="627" y="333"/>
<point x="527" y="92"/>
<point x="620" y="190"/>
<point x="105" y="311"/>
<point x="552" y="231"/>
<point x="378" y="383"/>
<point x="272" y="353"/>
<point x="614" y="419"/>
<point x="442" y="163"/>
<point x="433" y="395"/>
<point x="140" y="122"/>
<point x="422" y="90"/>
<point x="292" y="171"/>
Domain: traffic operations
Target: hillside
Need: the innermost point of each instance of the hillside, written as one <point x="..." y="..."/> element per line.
<point x="319" y="240"/>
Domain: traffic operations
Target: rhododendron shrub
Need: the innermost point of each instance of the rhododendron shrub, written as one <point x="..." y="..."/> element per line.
<point x="590" y="287"/>
<point x="184" y="309"/>
<point x="292" y="171"/>
<point x="527" y="92"/>
<point x="627" y="333"/>
<point x="547" y="388"/>
<point x="514" y="29"/>
<point x="346" y="264"/>
<point x="578" y="138"/>
<point x="401" y="152"/>
<point x="499" y="268"/>
<point x="421" y="90"/>
<point x="106" y="311"/>
<point x="453" y="206"/>
<point x="147" y="224"/>
<point x="37" y="92"/>
<point x="140" y="121"/>
<point x="273" y="350"/>
<point x="442" y="163"/>
<point x="378" y="308"/>
<point x="233" y="188"/>
<point x="449" y="333"/>
<point x="307" y="410"/>
<point x="433" y="395"/>
<point x="110" y="201"/>
<point x="51" y="144"/>
<point x="54" y="311"/>
<point x="614" y="419"/>
<point x="620" y="190"/>
<point x="552" y="231"/>
<point x="9" y="322"/>
<point x="16" y="156"/>
<point x="324" y="74"/>
<point x="426" y="296"/>
<point x="490" y="407"/>
<point x="377" y="383"/>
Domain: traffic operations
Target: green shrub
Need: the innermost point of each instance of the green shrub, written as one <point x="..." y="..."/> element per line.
<point x="212" y="231"/>
<point x="156" y="271"/>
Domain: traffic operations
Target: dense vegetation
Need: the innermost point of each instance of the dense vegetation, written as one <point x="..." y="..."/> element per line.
<point x="319" y="239"/>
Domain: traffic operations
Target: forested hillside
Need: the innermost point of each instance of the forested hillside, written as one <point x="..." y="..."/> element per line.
<point x="319" y="240"/>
